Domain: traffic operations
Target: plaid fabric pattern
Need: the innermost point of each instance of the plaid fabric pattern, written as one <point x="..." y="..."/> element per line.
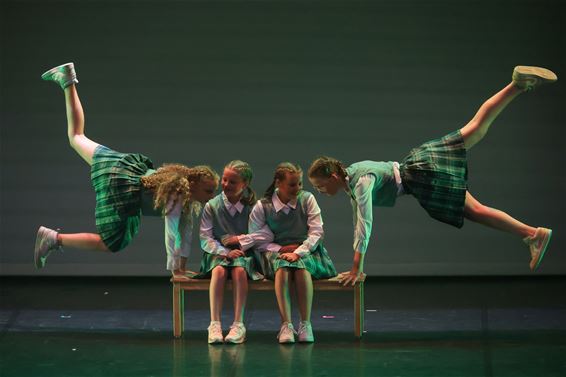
<point x="116" y="180"/>
<point x="436" y="173"/>
<point x="317" y="263"/>
<point x="209" y="261"/>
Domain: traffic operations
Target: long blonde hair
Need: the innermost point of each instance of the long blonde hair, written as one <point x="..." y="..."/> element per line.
<point x="175" y="181"/>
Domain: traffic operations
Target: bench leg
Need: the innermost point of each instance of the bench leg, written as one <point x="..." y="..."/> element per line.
<point x="178" y="310"/>
<point x="359" y="310"/>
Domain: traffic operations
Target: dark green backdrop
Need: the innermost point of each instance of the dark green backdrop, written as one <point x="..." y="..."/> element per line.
<point x="211" y="81"/>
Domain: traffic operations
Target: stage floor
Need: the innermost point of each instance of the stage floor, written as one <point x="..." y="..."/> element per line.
<point x="474" y="326"/>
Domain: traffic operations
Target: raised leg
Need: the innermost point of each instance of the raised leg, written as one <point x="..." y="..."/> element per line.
<point x="477" y="128"/>
<point x="75" y="126"/>
<point x="525" y="78"/>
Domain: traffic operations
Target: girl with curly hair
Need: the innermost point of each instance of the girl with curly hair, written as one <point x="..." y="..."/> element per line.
<point x="435" y="173"/>
<point x="127" y="186"/>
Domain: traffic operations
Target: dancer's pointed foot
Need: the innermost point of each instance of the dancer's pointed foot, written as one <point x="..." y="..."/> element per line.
<point x="528" y="78"/>
<point x="64" y="75"/>
<point x="537" y="246"/>
<point x="45" y="243"/>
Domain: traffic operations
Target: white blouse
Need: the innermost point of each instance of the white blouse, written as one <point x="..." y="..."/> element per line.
<point x="259" y="230"/>
<point x="207" y="241"/>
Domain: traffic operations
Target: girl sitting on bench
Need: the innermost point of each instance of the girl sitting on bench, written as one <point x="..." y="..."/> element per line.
<point x="296" y="253"/>
<point x="226" y="215"/>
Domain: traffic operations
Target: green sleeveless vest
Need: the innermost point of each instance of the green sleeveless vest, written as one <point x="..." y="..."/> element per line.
<point x="384" y="192"/>
<point x="223" y="223"/>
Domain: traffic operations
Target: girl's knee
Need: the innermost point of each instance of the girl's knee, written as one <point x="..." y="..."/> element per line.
<point x="303" y="272"/>
<point x="238" y="271"/>
<point x="219" y="272"/>
<point x="282" y="273"/>
<point x="474" y="211"/>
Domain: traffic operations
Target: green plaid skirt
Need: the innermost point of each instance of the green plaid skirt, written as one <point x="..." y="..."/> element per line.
<point x="210" y="261"/>
<point x="317" y="263"/>
<point x="436" y="173"/>
<point x="116" y="180"/>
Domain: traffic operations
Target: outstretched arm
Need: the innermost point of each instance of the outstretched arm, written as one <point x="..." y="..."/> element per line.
<point x="363" y="220"/>
<point x="177" y="240"/>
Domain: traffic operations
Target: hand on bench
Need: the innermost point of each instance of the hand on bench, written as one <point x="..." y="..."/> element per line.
<point x="183" y="275"/>
<point x="347" y="277"/>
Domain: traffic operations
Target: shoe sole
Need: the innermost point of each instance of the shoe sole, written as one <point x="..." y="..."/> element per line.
<point x="47" y="74"/>
<point x="545" y="74"/>
<point x="39" y="264"/>
<point x="306" y="341"/>
<point x="287" y="342"/>
<point x="215" y="341"/>
<point x="543" y="252"/>
<point x="234" y="341"/>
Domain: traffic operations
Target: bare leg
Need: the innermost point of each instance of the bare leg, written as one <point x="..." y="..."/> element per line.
<point x="476" y="129"/>
<point x="216" y="292"/>
<point x="75" y="125"/>
<point x="494" y="218"/>
<point x="303" y="283"/>
<point x="88" y="241"/>
<point x="240" y="291"/>
<point x="85" y="148"/>
<point x="282" y="293"/>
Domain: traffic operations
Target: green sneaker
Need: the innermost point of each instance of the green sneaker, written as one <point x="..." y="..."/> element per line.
<point x="527" y="78"/>
<point x="64" y="75"/>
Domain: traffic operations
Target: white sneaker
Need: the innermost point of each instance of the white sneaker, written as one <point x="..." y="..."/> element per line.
<point x="64" y="75"/>
<point x="537" y="246"/>
<point x="305" y="332"/>
<point x="215" y="333"/>
<point x="286" y="333"/>
<point x="237" y="333"/>
<point x="528" y="78"/>
<point x="45" y="243"/>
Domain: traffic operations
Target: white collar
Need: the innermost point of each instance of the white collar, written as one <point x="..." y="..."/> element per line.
<point x="238" y="206"/>
<point x="279" y="205"/>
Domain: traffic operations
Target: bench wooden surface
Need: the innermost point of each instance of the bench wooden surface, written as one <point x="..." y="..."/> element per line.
<point x="180" y="285"/>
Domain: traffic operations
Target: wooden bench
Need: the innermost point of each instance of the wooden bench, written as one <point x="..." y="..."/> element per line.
<point x="182" y="285"/>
